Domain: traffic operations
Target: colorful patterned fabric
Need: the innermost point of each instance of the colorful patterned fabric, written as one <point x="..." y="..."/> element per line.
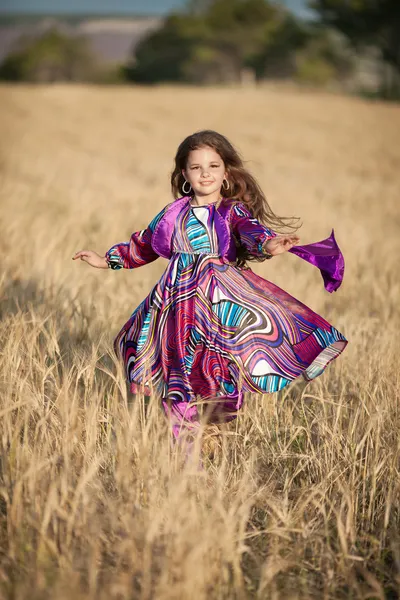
<point x="211" y="330"/>
<point x="137" y="252"/>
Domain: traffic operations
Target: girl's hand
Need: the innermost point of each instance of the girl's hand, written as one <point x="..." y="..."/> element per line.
<point x="281" y="243"/>
<point x="92" y="258"/>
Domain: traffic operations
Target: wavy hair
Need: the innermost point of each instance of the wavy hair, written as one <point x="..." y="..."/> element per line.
<point x="243" y="187"/>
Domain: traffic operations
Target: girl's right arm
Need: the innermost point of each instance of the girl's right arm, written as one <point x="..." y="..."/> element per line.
<point x="92" y="258"/>
<point x="135" y="253"/>
<point x="128" y="255"/>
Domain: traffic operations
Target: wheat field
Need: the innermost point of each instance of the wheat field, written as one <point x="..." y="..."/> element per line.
<point x="299" y="497"/>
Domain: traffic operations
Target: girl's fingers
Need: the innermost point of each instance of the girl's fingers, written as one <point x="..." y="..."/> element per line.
<point x="285" y="242"/>
<point x="291" y="240"/>
<point x="81" y="254"/>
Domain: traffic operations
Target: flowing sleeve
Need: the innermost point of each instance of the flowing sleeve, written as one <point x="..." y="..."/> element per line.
<point x="250" y="232"/>
<point x="137" y="252"/>
<point x="327" y="257"/>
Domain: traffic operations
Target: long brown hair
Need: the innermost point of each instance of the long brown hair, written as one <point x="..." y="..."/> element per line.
<point x="243" y="187"/>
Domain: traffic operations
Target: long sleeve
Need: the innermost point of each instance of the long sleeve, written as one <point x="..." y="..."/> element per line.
<point x="250" y="232"/>
<point x="137" y="252"/>
<point x="327" y="257"/>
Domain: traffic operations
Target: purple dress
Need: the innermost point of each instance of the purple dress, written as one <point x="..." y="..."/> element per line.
<point x="210" y="330"/>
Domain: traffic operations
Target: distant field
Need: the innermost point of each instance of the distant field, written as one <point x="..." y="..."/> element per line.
<point x="301" y="498"/>
<point x="112" y="38"/>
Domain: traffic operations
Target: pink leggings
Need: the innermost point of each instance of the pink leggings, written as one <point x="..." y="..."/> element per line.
<point x="183" y="417"/>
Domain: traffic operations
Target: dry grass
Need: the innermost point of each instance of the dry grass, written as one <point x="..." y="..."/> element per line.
<point x="301" y="499"/>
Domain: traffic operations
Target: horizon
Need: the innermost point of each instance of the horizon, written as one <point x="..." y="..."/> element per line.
<point x="120" y="8"/>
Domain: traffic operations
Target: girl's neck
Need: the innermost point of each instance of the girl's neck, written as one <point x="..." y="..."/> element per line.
<point x="205" y="200"/>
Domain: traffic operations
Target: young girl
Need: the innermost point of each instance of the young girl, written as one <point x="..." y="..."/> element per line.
<point x="212" y="329"/>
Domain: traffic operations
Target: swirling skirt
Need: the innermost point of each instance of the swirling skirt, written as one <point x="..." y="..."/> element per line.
<point x="212" y="331"/>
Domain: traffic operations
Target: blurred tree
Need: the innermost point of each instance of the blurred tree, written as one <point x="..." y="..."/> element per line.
<point x="213" y="40"/>
<point x="277" y="57"/>
<point x="216" y="41"/>
<point x="325" y="58"/>
<point x="161" y="56"/>
<point x="367" y="23"/>
<point x="240" y="30"/>
<point x="307" y="52"/>
<point x="49" y="58"/>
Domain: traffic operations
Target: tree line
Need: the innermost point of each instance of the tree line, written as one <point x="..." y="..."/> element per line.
<point x="228" y="40"/>
<point x="231" y="41"/>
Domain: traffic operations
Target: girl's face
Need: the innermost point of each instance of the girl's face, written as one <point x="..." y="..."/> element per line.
<point x="205" y="171"/>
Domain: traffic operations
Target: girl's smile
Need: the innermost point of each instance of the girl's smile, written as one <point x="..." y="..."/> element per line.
<point x="205" y="171"/>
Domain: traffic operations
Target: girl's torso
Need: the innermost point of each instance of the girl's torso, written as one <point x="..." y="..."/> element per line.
<point x="194" y="231"/>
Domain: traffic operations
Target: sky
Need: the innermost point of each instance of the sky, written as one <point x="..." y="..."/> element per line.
<point x="155" y="7"/>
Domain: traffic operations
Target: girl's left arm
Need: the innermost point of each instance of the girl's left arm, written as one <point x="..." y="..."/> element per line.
<point x="261" y="241"/>
<point x="251" y="233"/>
<point x="137" y="252"/>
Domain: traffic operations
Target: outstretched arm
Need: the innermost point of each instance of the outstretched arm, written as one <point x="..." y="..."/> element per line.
<point x="128" y="255"/>
<point x="135" y="253"/>
<point x="261" y="241"/>
<point x="92" y="258"/>
<point x="280" y="243"/>
<point x="258" y="239"/>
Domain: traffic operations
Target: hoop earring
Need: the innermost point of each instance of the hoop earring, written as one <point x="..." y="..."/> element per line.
<point x="227" y="185"/>
<point x="183" y="188"/>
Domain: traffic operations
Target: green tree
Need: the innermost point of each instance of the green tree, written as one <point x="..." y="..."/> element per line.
<point x="277" y="56"/>
<point x="161" y="56"/>
<point x="213" y="40"/>
<point x="240" y="30"/>
<point x="366" y="23"/>
<point x="216" y="41"/>
<point x="49" y="58"/>
<point x="325" y="58"/>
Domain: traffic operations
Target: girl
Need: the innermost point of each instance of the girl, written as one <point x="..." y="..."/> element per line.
<point x="212" y="328"/>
